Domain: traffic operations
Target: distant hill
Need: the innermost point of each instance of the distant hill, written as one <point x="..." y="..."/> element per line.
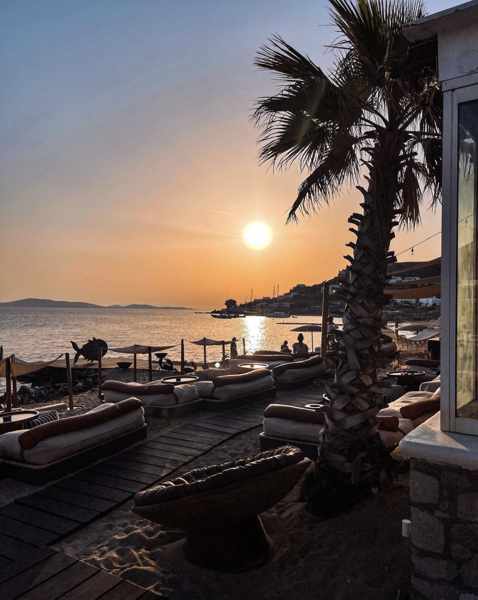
<point x="46" y="303"/>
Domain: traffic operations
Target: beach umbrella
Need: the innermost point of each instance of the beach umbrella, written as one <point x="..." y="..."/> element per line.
<point x="205" y="342"/>
<point x="310" y="328"/>
<point x="136" y="349"/>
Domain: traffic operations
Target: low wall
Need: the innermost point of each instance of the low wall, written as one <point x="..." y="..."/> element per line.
<point x="444" y="532"/>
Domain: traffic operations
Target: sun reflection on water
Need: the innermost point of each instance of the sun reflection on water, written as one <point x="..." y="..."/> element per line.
<point x="255" y="333"/>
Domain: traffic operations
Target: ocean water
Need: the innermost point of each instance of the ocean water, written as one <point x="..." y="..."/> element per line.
<point x="45" y="333"/>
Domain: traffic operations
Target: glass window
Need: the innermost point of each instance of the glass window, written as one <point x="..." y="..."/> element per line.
<point x="466" y="301"/>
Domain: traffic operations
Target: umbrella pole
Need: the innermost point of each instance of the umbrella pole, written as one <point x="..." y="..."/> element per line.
<point x="8" y="377"/>
<point x="205" y="357"/>
<point x="312" y="341"/>
<point x="14" y="391"/>
<point x="325" y="319"/>
<point x="150" y="364"/>
<point x="69" y="380"/>
<point x="182" y="356"/>
<point x="100" y="395"/>
<point x="134" y="367"/>
<point x="14" y="384"/>
<point x="244" y="346"/>
<point x="223" y="351"/>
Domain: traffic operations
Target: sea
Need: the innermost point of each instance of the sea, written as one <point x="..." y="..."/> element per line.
<point x="44" y="333"/>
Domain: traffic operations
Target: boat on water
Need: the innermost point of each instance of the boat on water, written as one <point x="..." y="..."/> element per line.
<point x="278" y="315"/>
<point x="224" y="315"/>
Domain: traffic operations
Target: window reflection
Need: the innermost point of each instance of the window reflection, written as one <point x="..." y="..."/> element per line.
<point x="466" y="331"/>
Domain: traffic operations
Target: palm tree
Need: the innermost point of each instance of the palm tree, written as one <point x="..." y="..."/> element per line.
<point x="377" y="116"/>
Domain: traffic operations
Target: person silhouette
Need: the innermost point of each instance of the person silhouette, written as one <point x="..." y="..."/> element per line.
<point x="285" y="347"/>
<point x="299" y="347"/>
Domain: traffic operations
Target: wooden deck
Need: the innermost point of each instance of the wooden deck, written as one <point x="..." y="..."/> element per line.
<point x="29" y="569"/>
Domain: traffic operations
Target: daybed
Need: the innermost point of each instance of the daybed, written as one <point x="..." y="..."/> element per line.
<point x="302" y="426"/>
<point x="51" y="450"/>
<point x="299" y="372"/>
<point x="240" y="386"/>
<point x="218" y="507"/>
<point x="155" y="395"/>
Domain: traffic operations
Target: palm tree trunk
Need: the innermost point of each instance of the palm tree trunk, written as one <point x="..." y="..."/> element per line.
<point x="350" y="445"/>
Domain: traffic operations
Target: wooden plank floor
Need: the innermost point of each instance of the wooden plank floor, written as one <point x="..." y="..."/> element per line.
<point x="30" y="570"/>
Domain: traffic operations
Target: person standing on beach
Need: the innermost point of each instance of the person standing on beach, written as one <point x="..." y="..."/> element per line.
<point x="299" y="347"/>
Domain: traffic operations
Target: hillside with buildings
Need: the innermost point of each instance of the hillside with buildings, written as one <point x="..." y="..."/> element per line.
<point x="305" y="299"/>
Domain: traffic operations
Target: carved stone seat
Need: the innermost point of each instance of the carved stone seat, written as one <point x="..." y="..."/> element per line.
<point x="218" y="506"/>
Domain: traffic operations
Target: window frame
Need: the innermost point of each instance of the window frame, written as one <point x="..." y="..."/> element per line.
<point x="452" y="98"/>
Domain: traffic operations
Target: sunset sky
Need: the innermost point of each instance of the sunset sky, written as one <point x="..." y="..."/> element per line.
<point x="128" y="160"/>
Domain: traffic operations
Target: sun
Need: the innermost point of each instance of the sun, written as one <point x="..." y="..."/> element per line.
<point x="257" y="235"/>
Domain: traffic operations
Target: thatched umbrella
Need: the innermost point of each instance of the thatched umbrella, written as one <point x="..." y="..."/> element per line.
<point x="205" y="342"/>
<point x="310" y="328"/>
<point x="136" y="349"/>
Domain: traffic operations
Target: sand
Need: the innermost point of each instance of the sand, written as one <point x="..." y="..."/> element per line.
<point x="358" y="554"/>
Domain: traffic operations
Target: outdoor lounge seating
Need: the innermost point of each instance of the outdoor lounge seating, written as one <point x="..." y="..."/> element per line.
<point x="241" y="386"/>
<point x="155" y="395"/>
<point x="218" y="507"/>
<point x="53" y="449"/>
<point x="302" y="426"/>
<point x="299" y="372"/>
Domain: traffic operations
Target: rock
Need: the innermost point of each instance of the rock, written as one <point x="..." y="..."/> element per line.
<point x="428" y="532"/>
<point x="434" y="591"/>
<point x="469" y="572"/>
<point x="435" y="568"/>
<point x="424" y="489"/>
<point x="468" y="506"/>
<point x="465" y="537"/>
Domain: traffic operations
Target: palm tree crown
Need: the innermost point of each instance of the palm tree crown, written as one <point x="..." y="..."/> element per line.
<point x="329" y="123"/>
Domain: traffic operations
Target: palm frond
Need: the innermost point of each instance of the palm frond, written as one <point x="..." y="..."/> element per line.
<point x="341" y="164"/>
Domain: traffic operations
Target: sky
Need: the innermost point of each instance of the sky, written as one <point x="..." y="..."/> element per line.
<point x="129" y="161"/>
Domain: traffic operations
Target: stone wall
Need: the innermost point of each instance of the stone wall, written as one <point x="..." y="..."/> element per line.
<point x="444" y="532"/>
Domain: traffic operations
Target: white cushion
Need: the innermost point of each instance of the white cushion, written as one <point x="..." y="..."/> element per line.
<point x="288" y="429"/>
<point x="149" y="400"/>
<point x="204" y="388"/>
<point x="236" y="391"/>
<point x="186" y="393"/>
<point x="295" y="375"/>
<point x="61" y="446"/>
<point x="10" y="446"/>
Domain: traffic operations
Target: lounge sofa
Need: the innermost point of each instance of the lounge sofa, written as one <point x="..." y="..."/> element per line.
<point x="241" y="386"/>
<point x="51" y="450"/>
<point x="299" y="372"/>
<point x="155" y="396"/>
<point x="302" y="427"/>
